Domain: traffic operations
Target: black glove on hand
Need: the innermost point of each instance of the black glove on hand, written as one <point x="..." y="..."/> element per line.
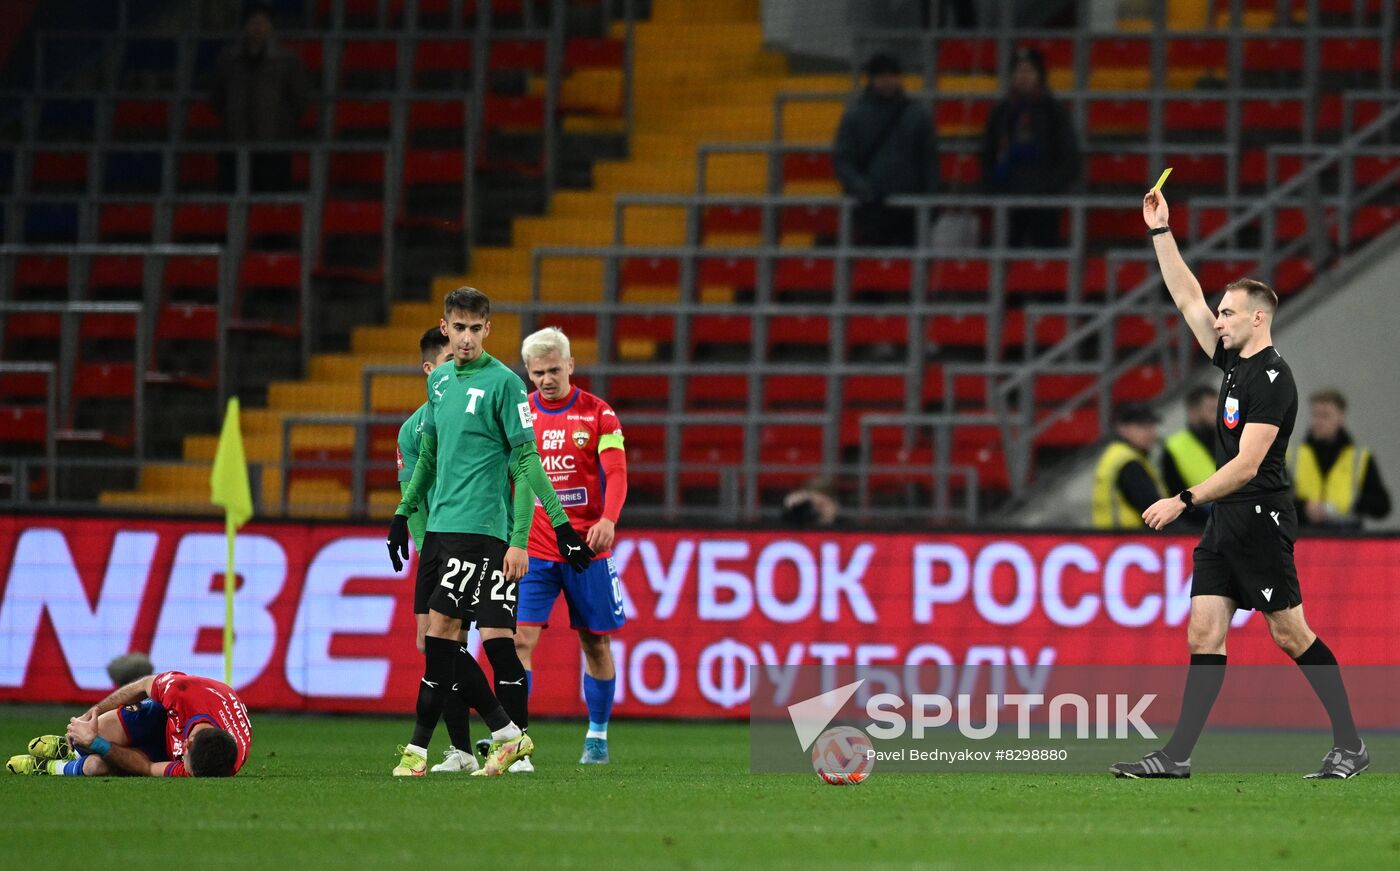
<point x="398" y="541"/>
<point x="571" y="547"/>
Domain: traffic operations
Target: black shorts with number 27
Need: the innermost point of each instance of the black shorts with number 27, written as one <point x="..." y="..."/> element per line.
<point x="463" y="576"/>
<point x="1246" y="554"/>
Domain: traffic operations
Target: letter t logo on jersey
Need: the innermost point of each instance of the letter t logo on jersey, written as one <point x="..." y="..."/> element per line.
<point x="473" y="394"/>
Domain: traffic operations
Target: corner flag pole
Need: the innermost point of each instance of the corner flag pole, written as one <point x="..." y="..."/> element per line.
<point x="228" y="487"/>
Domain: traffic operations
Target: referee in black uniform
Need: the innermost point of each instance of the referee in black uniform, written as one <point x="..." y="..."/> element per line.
<point x="1245" y="558"/>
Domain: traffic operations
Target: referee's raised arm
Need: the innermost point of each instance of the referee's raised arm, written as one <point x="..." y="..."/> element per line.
<point x="1184" y="288"/>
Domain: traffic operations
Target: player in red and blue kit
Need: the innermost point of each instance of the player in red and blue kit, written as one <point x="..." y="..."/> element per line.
<point x="166" y="725"/>
<point x="580" y="442"/>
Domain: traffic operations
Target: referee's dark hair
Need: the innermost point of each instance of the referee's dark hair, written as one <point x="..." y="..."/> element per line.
<point x="469" y="300"/>
<point x="432" y="343"/>
<point x="211" y="752"/>
<point x="1258" y="292"/>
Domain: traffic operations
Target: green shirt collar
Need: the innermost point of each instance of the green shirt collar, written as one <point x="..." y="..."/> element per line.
<point x="474" y="366"/>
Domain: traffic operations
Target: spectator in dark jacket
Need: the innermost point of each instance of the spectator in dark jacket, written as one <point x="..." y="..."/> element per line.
<point x="260" y="93"/>
<point x="1030" y="147"/>
<point x="885" y="146"/>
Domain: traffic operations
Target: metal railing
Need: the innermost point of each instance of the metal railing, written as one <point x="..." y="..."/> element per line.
<point x="70" y="331"/>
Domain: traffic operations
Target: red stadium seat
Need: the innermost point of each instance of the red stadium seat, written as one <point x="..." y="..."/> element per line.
<point x="274" y="225"/>
<point x="360" y="120"/>
<point x="731" y="219"/>
<point x="885" y="275"/>
<point x="728" y="272"/>
<point x="804" y="274"/>
<point x="443" y="64"/>
<point x="794" y="393"/>
<point x="367" y="64"/>
<point x="199" y="222"/>
<point x="808" y="166"/>
<point x="24" y="424"/>
<point x="140" y="120"/>
<point x="126" y="222"/>
<point x="528" y="55"/>
<point x="58" y="172"/>
<point x="716" y="392"/>
<point x="820" y="220"/>
<point x="116" y="277"/>
<point x="874" y="391"/>
<point x="959" y="276"/>
<point x="638" y="393"/>
<point x="1037" y="276"/>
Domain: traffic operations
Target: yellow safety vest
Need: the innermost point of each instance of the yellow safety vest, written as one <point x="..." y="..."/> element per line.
<point x="1194" y="461"/>
<point x="1111" y="509"/>
<point x="1343" y="481"/>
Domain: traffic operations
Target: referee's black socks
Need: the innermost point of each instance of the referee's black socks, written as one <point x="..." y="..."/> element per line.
<point x="1203" y="682"/>
<point x="510" y="679"/>
<point x="1320" y="668"/>
<point x="439" y="665"/>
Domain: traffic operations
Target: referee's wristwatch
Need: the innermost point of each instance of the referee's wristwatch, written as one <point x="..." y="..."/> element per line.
<point x="1186" y="497"/>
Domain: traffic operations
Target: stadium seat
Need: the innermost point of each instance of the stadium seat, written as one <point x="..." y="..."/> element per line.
<point x="125" y="222"/>
<point x="274" y="226"/>
<point x="362" y="120"/>
<point x="58" y="172"/>
<point x="141" y="120"/>
<point x="443" y="65"/>
<point x="369" y="64"/>
<point x="794" y="393"/>
<point x="112" y="278"/>
<point x="199" y="222"/>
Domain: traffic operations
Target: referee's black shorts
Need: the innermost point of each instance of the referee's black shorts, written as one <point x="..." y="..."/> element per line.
<point x="1246" y="554"/>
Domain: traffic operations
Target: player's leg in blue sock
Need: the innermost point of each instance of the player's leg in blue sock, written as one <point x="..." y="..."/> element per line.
<point x="600" y="681"/>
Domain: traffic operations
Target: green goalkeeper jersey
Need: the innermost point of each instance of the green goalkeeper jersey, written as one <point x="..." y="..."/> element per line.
<point x="478" y="414"/>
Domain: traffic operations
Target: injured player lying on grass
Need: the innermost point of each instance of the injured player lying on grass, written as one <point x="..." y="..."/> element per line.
<point x="164" y="725"/>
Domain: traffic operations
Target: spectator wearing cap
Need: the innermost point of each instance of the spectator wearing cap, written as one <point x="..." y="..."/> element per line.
<point x="885" y="146"/>
<point x="1030" y="147"/>
<point x="260" y="92"/>
<point x="1335" y="481"/>
<point x="1125" y="481"/>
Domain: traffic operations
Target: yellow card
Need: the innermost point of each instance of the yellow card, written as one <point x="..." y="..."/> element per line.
<point x="1158" y="186"/>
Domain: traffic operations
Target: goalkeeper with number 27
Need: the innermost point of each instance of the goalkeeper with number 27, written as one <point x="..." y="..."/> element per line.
<point x="477" y="438"/>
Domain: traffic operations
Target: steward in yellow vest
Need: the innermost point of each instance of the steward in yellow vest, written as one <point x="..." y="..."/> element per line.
<point x="1125" y="481"/>
<point x="1188" y="455"/>
<point x="1335" y="481"/>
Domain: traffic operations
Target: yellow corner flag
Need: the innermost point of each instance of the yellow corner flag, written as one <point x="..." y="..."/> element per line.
<point x="228" y="487"/>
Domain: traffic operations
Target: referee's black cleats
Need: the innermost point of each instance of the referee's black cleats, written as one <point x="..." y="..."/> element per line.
<point x="1340" y="764"/>
<point x="1154" y="764"/>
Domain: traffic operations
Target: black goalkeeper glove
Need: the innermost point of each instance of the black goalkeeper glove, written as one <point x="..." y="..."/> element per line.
<point x="571" y="547"/>
<point x="398" y="541"/>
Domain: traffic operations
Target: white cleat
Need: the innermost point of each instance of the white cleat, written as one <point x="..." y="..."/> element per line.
<point x="456" y="761"/>
<point x="523" y="765"/>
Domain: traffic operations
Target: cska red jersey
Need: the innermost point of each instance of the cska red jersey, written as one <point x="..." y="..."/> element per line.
<point x="569" y="435"/>
<point x="189" y="700"/>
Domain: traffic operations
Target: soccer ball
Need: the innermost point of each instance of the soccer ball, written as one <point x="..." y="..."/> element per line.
<point x="843" y="755"/>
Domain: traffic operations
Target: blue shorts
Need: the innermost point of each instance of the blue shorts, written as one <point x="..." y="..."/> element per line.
<point x="144" y="723"/>
<point x="594" y="595"/>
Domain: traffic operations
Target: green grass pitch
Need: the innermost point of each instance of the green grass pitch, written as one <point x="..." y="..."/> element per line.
<point x="317" y="794"/>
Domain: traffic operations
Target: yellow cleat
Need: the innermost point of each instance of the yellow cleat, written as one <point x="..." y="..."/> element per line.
<point x="52" y="747"/>
<point x="503" y="753"/>
<point x="411" y="764"/>
<point x="25" y="764"/>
